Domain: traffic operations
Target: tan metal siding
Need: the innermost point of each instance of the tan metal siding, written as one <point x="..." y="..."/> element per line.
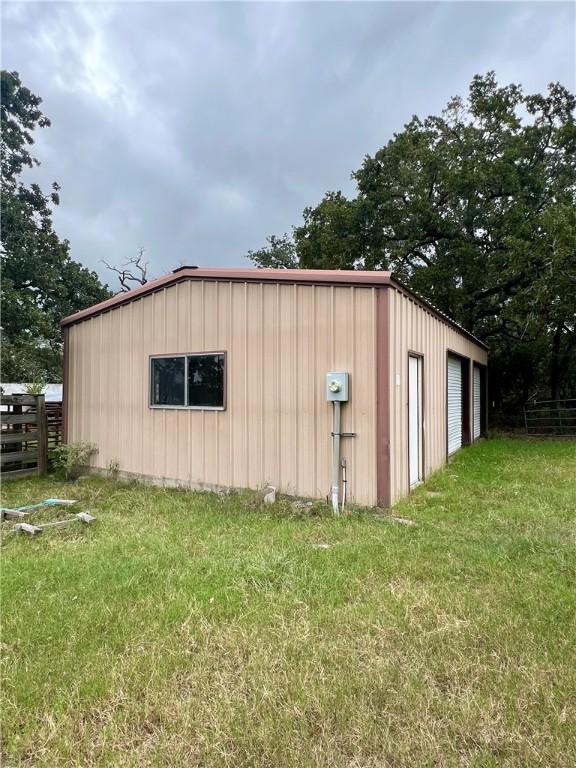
<point x="414" y="328"/>
<point x="280" y="340"/>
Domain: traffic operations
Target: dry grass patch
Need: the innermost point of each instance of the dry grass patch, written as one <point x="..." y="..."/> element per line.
<point x="188" y="629"/>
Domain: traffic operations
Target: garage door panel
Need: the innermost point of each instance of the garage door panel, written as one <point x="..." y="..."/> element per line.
<point x="454" y="404"/>
<point x="477" y="402"/>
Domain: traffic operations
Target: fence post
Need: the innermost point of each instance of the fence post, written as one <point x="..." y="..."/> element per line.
<point x="525" y="418"/>
<point x="42" y="434"/>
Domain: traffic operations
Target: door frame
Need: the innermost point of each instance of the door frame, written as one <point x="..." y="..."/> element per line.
<point x="420" y="357"/>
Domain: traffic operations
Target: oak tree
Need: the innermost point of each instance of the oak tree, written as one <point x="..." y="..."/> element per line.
<point x="40" y="282"/>
<point x="475" y="209"/>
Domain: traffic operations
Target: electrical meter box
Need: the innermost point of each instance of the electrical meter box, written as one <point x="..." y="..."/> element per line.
<point x="337" y="386"/>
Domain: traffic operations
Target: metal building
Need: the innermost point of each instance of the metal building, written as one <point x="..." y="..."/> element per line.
<point x="321" y="383"/>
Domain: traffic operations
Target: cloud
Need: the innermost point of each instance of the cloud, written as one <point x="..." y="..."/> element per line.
<point x="196" y="129"/>
<point x="76" y="40"/>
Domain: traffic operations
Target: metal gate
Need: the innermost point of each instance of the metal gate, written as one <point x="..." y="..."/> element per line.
<point x="551" y="417"/>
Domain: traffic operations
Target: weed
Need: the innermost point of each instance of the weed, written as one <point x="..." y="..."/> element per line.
<point x="190" y="629"/>
<point x="68" y="460"/>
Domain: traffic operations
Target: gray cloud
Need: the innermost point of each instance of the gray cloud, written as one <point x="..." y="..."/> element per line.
<point x="196" y="129"/>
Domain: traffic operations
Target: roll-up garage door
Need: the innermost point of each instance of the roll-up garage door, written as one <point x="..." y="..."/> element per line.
<point x="477" y="402"/>
<point x="454" y="404"/>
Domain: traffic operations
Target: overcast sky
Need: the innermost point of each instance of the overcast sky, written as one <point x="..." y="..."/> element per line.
<point x="196" y="129"/>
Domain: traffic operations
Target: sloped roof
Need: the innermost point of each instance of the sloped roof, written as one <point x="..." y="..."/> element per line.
<point x="365" y="278"/>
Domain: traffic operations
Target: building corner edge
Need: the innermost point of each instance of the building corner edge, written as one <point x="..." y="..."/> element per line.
<point x="65" y="384"/>
<point x="383" y="468"/>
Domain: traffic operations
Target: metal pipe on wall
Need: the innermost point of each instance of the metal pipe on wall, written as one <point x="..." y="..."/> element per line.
<point x="344" y="485"/>
<point x="336" y="456"/>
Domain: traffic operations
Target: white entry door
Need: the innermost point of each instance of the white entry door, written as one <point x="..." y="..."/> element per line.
<point x="477" y="403"/>
<point x="454" y="404"/>
<point x="415" y="420"/>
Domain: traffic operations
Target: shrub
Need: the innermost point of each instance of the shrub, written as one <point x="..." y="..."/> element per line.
<point x="36" y="387"/>
<point x="69" y="460"/>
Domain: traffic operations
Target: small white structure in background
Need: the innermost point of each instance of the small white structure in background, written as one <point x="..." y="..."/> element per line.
<point x="52" y="392"/>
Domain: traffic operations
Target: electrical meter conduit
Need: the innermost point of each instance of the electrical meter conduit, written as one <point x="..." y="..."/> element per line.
<point x="336" y="393"/>
<point x="336" y="456"/>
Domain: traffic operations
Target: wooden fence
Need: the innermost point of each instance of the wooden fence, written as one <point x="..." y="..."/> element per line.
<point x="54" y="423"/>
<point x="28" y="425"/>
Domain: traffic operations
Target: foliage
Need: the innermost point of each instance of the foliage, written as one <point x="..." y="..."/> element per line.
<point x="68" y="460"/>
<point x="280" y="253"/>
<point x="40" y="282"/>
<point x="36" y="387"/>
<point x="476" y="210"/>
<point x="185" y="629"/>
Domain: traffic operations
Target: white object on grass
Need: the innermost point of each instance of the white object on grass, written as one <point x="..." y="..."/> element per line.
<point x="80" y="517"/>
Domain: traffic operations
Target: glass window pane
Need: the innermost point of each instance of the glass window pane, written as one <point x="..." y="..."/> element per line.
<point x="206" y="381"/>
<point x="168" y="381"/>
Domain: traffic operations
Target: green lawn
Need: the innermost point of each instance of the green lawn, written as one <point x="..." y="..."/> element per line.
<point x="187" y="629"/>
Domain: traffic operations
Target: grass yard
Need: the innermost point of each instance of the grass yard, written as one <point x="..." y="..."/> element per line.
<point x="187" y="629"/>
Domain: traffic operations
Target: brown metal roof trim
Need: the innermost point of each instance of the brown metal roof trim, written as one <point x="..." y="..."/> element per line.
<point x="383" y="458"/>
<point x="253" y="275"/>
<point x="358" y="277"/>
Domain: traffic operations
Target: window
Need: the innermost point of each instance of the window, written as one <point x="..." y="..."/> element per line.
<point x="168" y="374"/>
<point x="206" y="381"/>
<point x="187" y="381"/>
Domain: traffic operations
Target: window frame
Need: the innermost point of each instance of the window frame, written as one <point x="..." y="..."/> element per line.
<point x="187" y="407"/>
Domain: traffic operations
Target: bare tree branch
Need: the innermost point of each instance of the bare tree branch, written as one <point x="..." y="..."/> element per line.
<point x="128" y="280"/>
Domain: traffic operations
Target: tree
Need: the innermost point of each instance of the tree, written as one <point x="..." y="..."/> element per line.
<point x="474" y="209"/>
<point x="40" y="282"/>
<point x="132" y="273"/>
<point x="280" y="253"/>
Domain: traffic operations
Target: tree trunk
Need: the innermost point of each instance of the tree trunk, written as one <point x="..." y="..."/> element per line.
<point x="556" y="362"/>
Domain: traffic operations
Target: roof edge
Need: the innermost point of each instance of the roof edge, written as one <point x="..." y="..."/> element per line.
<point x="376" y="278"/>
<point x="243" y="275"/>
<point x="437" y="312"/>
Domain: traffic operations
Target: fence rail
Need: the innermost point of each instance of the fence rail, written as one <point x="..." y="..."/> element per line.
<point x="54" y="423"/>
<point x="29" y="426"/>
<point x="550" y="417"/>
<point x="23" y="435"/>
